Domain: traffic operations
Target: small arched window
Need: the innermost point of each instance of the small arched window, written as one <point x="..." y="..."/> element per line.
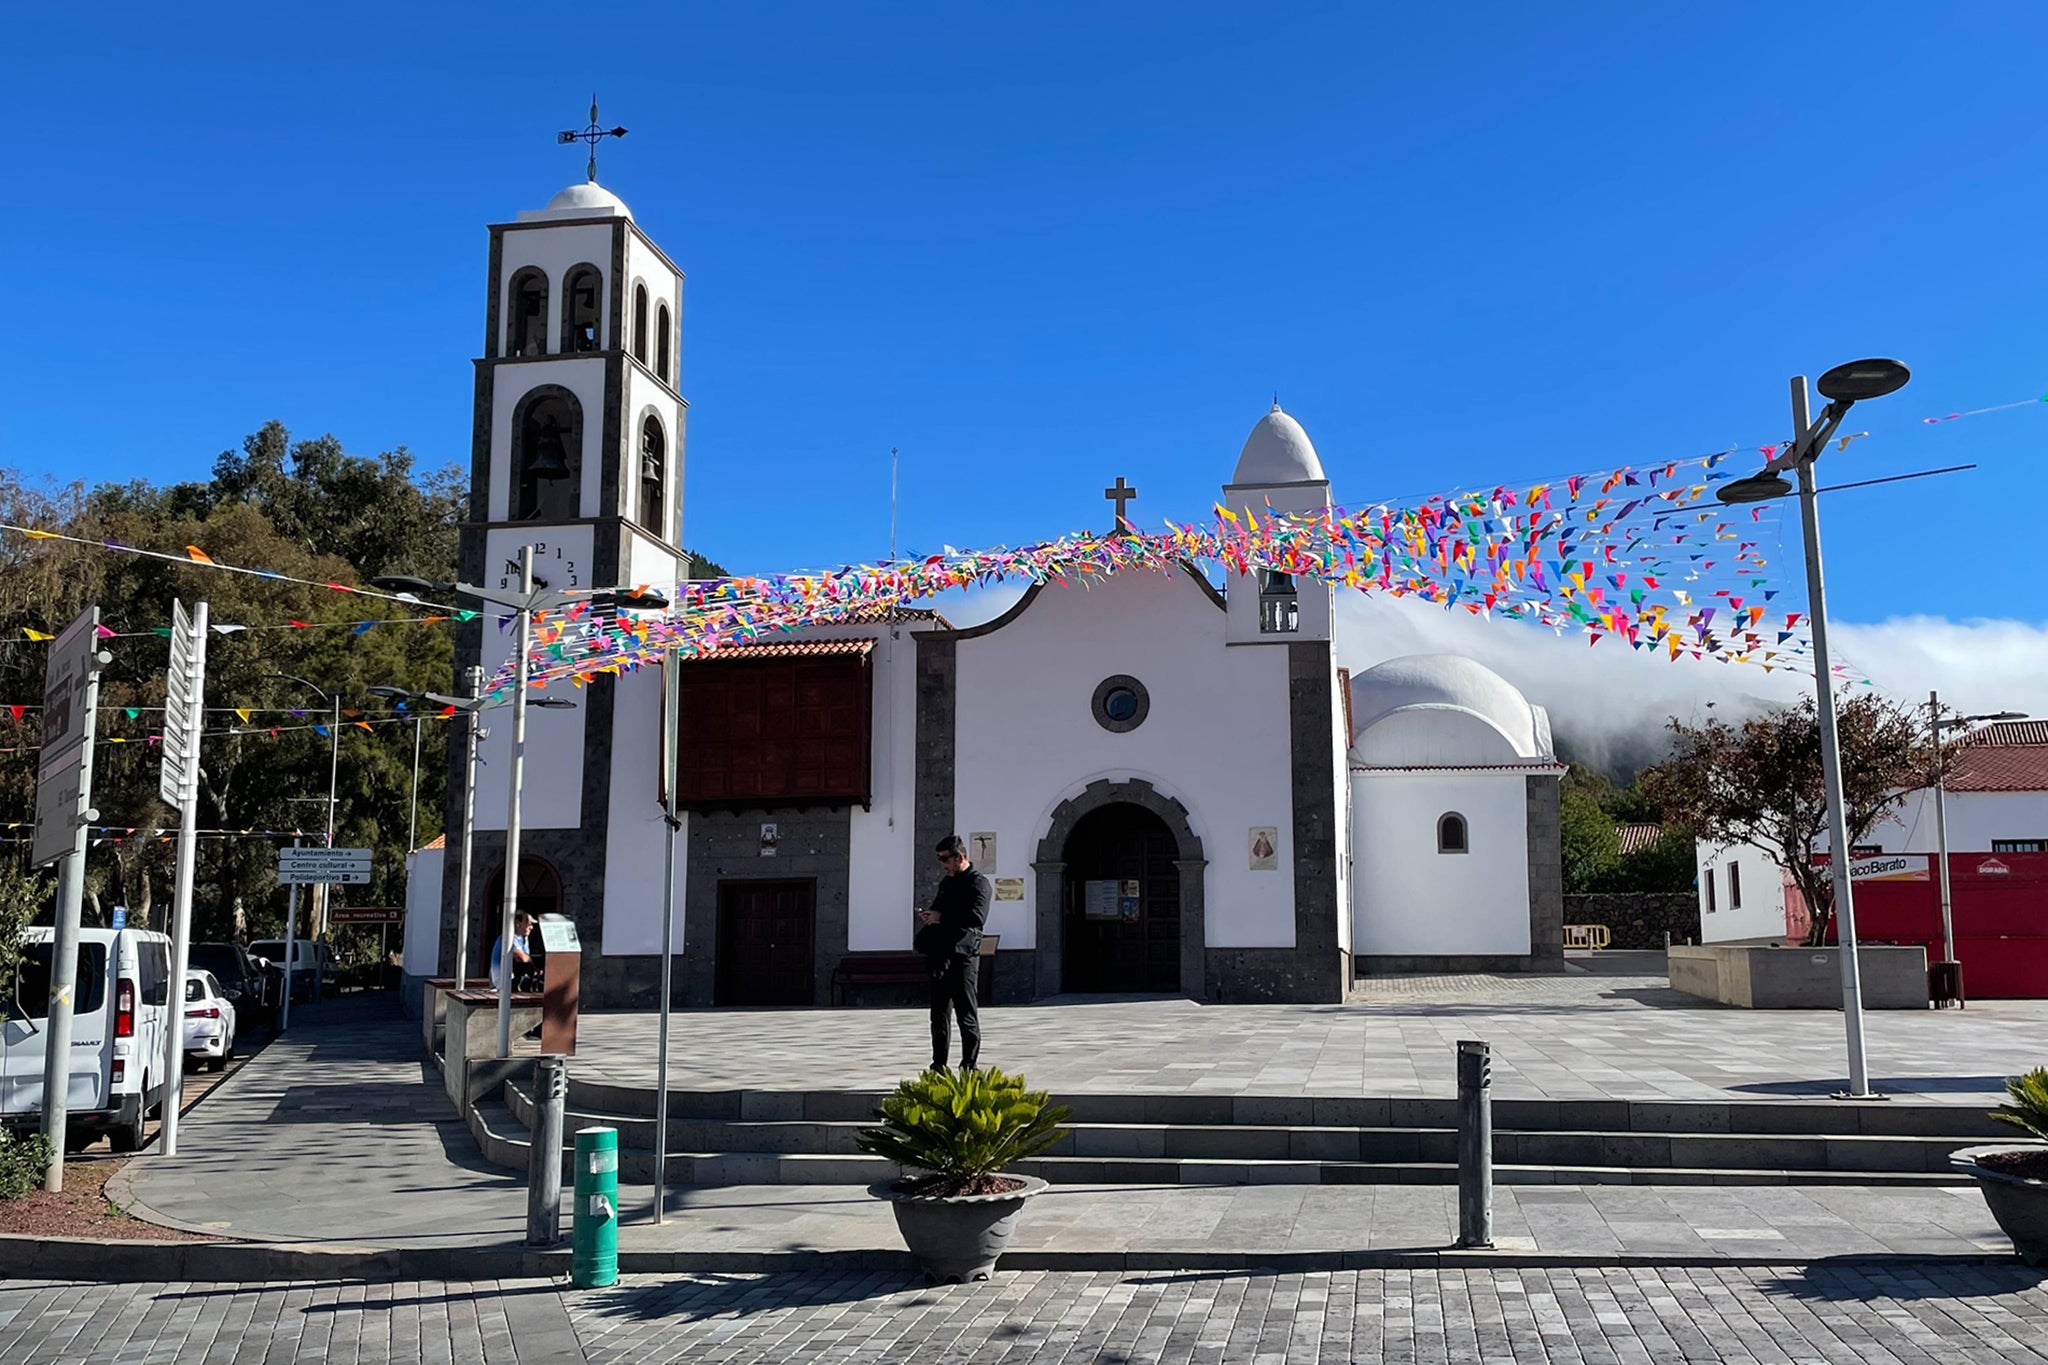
<point x="661" y="334"/>
<point x="653" y="469"/>
<point x="526" y="311"/>
<point x="582" y="310"/>
<point x="640" y="323"/>
<point x="1450" y="833"/>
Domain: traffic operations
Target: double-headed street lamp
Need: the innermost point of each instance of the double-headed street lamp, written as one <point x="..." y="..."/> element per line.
<point x="1844" y="386"/>
<point x="1948" y="973"/>
<point x="525" y="602"/>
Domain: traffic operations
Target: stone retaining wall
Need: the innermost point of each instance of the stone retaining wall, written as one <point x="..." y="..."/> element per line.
<point x="1638" y="919"/>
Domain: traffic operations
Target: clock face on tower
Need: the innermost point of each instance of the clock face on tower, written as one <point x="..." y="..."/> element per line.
<point x="555" y="565"/>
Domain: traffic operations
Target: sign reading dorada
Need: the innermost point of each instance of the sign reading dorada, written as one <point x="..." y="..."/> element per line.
<point x="328" y="866"/>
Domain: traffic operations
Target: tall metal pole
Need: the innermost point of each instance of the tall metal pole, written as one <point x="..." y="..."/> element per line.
<point x="1830" y="753"/>
<point x="333" y="776"/>
<point x="671" y="691"/>
<point x="291" y="950"/>
<point x="64" y="944"/>
<point x="412" y="843"/>
<point x="181" y="914"/>
<point x="475" y="679"/>
<point x="515" y="776"/>
<point x="1948" y="924"/>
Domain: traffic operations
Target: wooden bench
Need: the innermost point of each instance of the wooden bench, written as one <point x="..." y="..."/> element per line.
<point x="905" y="969"/>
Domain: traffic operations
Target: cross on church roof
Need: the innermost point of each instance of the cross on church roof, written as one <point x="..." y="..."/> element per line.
<point x="1120" y="494"/>
<point x="593" y="135"/>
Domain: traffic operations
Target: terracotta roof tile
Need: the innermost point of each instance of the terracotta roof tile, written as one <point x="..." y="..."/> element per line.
<point x="2005" y="732"/>
<point x="2000" y="768"/>
<point x="785" y="649"/>
<point x="1636" y="838"/>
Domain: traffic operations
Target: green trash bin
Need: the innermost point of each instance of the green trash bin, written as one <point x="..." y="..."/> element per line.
<point x="594" y="1237"/>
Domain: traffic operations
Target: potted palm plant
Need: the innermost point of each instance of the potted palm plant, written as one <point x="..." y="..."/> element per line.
<point x="953" y="1132"/>
<point x="2014" y="1176"/>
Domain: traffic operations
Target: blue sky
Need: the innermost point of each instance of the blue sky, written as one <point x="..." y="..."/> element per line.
<point x="1037" y="247"/>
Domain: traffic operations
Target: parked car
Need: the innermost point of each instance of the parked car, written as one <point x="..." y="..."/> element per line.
<point x="244" y="979"/>
<point x="209" y="1021"/>
<point x="312" y="958"/>
<point x="120" y="1010"/>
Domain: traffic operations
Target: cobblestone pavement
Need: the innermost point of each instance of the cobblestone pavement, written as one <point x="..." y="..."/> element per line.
<point x="1908" y="1312"/>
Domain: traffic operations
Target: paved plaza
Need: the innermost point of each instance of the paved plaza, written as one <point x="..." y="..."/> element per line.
<point x="1580" y="1036"/>
<point x="1820" y="1315"/>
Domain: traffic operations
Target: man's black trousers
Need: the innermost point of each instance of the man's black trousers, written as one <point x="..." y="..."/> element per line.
<point x="953" y="983"/>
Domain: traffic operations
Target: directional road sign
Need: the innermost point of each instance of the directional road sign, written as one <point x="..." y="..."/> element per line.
<point x="332" y="866"/>
<point x="184" y="702"/>
<point x="64" y="770"/>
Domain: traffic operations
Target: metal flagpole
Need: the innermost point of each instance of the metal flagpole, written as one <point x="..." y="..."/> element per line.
<point x="671" y="685"/>
<point x="515" y="776"/>
<point x="291" y="950"/>
<point x="1948" y="924"/>
<point x="185" y="708"/>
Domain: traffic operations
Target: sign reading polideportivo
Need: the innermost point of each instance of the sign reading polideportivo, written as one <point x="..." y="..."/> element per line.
<point x="1880" y="867"/>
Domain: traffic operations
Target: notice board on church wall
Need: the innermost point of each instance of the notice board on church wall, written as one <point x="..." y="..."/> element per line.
<point x="786" y="729"/>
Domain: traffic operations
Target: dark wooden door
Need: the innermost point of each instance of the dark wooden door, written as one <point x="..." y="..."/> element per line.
<point x="765" y="934"/>
<point x="1125" y="844"/>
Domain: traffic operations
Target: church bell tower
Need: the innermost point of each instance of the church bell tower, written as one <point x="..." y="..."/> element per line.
<point x="578" y="452"/>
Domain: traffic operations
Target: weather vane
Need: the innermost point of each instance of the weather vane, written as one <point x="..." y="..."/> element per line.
<point x="593" y="135"/>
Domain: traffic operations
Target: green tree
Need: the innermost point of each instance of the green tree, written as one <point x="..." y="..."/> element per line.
<point x="307" y="510"/>
<point x="1591" y="848"/>
<point x="1759" y="783"/>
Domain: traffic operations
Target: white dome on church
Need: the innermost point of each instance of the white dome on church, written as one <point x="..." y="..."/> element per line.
<point x="1443" y="710"/>
<point x="1278" y="451"/>
<point x="584" y="199"/>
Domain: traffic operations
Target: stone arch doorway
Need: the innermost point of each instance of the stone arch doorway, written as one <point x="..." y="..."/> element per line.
<point x="539" y="893"/>
<point x="1111" y="835"/>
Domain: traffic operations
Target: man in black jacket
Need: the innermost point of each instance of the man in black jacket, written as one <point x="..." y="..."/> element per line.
<point x="949" y="936"/>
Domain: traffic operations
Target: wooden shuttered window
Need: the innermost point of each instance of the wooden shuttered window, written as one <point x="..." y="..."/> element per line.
<point x="789" y="730"/>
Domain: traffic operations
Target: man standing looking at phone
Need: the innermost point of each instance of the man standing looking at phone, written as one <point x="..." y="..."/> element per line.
<point x="949" y="936"/>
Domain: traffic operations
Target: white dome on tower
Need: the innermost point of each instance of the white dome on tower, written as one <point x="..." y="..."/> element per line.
<point x="584" y="199"/>
<point x="1444" y="710"/>
<point x="1278" y="451"/>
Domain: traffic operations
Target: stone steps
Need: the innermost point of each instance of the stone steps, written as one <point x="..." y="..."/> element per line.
<point x="506" y="1142"/>
<point x="770" y="1137"/>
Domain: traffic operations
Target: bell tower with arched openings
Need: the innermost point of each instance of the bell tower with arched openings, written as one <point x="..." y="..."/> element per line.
<point x="577" y="451"/>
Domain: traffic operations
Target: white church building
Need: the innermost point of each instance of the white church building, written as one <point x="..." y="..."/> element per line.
<point x="1173" y="783"/>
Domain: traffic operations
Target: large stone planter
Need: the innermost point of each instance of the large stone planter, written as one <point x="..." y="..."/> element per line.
<point x="2019" y="1203"/>
<point x="957" y="1238"/>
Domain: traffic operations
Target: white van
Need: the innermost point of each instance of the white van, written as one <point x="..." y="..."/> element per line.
<point x="118" y="1019"/>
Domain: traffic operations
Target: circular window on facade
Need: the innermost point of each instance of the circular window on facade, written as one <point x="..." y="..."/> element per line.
<point x="1121" y="703"/>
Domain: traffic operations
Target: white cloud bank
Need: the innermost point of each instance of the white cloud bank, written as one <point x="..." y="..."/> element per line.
<point x="1609" y="704"/>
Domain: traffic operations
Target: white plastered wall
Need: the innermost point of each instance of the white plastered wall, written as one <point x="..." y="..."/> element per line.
<point x="552" y="793"/>
<point x="582" y="376"/>
<point x="1216" y="738"/>
<point x="1410" y="900"/>
<point x="423" y="911"/>
<point x="882" y="855"/>
<point x="633" y="841"/>
<point x="1761" y="880"/>
<point x="556" y="250"/>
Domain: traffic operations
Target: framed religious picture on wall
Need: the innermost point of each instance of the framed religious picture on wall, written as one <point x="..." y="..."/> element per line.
<point x="1265" y="848"/>
<point x="981" y="851"/>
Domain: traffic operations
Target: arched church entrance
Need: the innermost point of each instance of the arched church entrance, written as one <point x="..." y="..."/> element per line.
<point x="1122" y="911"/>
<point x="539" y="893"/>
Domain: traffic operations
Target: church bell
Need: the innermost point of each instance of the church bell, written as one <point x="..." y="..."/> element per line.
<point x="550" y="461"/>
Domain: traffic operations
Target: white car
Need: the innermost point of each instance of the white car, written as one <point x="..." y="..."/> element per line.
<point x="209" y="1021"/>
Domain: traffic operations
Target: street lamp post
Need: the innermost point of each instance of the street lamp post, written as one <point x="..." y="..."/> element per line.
<point x="1843" y="387"/>
<point x="525" y="603"/>
<point x="1948" y="971"/>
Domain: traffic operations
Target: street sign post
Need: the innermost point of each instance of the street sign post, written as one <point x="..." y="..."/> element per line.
<point x="71" y="694"/>
<point x="323" y="866"/>
<point x="184" y="710"/>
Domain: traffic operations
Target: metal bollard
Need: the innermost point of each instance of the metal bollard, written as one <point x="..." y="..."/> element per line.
<point x="594" y="1230"/>
<point x="1475" y="1144"/>
<point x="544" y="1158"/>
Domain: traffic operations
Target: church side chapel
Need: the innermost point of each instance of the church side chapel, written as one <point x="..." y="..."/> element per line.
<point x="1172" y="784"/>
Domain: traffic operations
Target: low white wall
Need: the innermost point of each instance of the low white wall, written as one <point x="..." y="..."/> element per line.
<point x="1761" y="881"/>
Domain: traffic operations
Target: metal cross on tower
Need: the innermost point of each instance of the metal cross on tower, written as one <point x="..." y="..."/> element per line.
<point x="592" y="135"/>
<point x="1121" y="494"/>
